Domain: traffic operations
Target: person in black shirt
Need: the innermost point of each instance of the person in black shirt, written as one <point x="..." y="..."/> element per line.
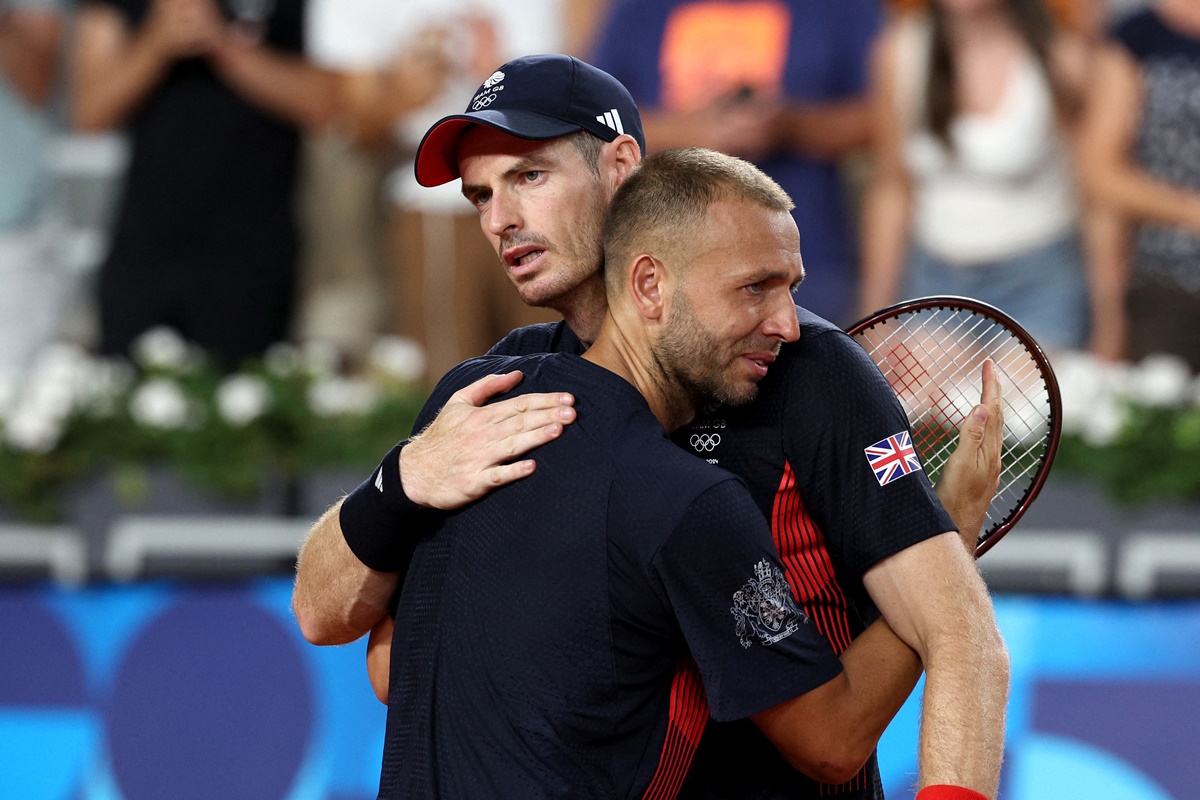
<point x="214" y="97"/>
<point x="541" y="185"/>
<point x="550" y="634"/>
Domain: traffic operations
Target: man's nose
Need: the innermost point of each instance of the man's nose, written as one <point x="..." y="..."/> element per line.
<point x="503" y="214"/>
<point x="782" y="322"/>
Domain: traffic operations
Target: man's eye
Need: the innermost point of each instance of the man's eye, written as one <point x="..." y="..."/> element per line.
<point x="532" y="176"/>
<point x="481" y="198"/>
<point x="755" y="288"/>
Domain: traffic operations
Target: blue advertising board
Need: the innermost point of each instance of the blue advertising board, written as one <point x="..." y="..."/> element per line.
<point x="207" y="692"/>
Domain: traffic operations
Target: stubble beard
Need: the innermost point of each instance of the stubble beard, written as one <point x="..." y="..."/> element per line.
<point x="581" y="257"/>
<point x="691" y="358"/>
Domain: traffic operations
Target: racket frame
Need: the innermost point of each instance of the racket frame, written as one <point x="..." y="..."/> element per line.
<point x="956" y="303"/>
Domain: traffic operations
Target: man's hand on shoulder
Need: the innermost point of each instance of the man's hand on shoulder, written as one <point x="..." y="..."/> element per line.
<point x="969" y="480"/>
<point x="470" y="448"/>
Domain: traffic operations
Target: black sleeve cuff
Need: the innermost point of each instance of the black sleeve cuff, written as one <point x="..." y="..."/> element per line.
<point x="380" y="524"/>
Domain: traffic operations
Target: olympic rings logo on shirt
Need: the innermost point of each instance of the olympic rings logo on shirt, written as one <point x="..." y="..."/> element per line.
<point x="705" y="442"/>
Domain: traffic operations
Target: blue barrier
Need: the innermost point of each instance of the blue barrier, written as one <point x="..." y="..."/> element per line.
<point x="208" y="692"/>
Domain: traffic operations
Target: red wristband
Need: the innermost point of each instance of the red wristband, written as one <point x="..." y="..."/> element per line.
<point x="945" y="792"/>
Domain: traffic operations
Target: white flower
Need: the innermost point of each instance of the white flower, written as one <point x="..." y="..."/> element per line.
<point x="103" y="383"/>
<point x="319" y="358"/>
<point x="1082" y="381"/>
<point x="241" y="399"/>
<point x="1103" y="423"/>
<point x="33" y="431"/>
<point x="161" y="348"/>
<point x="1160" y="381"/>
<point x="335" y="397"/>
<point x="55" y="379"/>
<point x="398" y="357"/>
<point x="282" y="359"/>
<point x="159" y="403"/>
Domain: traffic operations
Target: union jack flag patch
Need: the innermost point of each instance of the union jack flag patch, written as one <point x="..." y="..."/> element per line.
<point x="892" y="458"/>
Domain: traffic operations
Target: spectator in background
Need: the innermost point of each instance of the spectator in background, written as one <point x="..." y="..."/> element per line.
<point x="214" y="97"/>
<point x="973" y="191"/>
<point x="402" y="66"/>
<point x="383" y="72"/>
<point x="32" y="284"/>
<point x="1141" y="148"/>
<point x="781" y="83"/>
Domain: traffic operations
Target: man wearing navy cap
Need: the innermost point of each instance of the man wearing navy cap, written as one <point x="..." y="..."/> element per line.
<point x="541" y="166"/>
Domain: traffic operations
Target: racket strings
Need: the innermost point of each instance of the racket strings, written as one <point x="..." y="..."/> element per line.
<point x="933" y="360"/>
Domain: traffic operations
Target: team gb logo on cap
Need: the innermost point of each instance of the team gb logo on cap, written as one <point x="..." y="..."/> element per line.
<point x="487" y="92"/>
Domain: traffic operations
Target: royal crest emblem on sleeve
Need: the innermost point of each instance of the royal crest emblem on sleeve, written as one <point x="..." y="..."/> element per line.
<point x="764" y="607"/>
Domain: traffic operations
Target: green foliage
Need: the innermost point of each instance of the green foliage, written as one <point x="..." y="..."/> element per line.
<point x="1155" y="456"/>
<point x="273" y="423"/>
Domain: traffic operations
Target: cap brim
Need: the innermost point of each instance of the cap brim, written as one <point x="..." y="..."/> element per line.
<point x="437" y="155"/>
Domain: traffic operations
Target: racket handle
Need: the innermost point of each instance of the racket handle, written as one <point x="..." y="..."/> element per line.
<point x="946" y="792"/>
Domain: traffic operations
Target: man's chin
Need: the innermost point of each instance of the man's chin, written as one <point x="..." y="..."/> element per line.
<point x="735" y="394"/>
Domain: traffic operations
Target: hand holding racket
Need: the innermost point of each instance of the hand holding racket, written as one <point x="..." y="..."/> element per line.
<point x="932" y="351"/>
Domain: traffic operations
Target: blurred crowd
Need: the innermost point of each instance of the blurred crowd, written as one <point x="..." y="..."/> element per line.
<point x="1040" y="155"/>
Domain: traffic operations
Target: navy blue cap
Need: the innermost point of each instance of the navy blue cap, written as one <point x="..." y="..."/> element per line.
<point x="533" y="97"/>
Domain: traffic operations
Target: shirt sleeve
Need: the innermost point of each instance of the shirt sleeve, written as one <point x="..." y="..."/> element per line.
<point x="865" y="517"/>
<point x="720" y="572"/>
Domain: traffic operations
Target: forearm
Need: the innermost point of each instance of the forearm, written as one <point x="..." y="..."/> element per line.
<point x="1106" y="253"/>
<point x="363" y="108"/>
<point x="932" y="595"/>
<point x="829" y="732"/>
<point x="881" y="671"/>
<point x="963" y="712"/>
<point x="1143" y="198"/>
<point x="112" y="79"/>
<point x="337" y="598"/>
<point x="379" y="657"/>
<point x="284" y="85"/>
<point x="28" y="50"/>
<point x="827" y="130"/>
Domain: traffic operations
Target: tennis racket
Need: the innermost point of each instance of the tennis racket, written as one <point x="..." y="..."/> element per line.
<point x="931" y="350"/>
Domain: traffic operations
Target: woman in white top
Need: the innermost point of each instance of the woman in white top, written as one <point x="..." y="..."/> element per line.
<point x="973" y="190"/>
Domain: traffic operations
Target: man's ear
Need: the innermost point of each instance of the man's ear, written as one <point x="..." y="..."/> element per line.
<point x="621" y="156"/>
<point x="646" y="285"/>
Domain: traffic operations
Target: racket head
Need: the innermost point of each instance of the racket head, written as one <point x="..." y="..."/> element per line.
<point x="931" y="351"/>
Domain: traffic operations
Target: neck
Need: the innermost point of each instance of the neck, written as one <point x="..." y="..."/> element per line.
<point x="631" y="359"/>
<point x="584" y="309"/>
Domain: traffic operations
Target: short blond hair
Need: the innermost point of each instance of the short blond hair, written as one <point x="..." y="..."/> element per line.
<point x="661" y="208"/>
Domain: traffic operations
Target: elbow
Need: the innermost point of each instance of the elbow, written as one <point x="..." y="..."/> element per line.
<point x="323" y="106"/>
<point x="834" y="762"/>
<point x="310" y="626"/>
<point x="88" y="120"/>
<point x="317" y="628"/>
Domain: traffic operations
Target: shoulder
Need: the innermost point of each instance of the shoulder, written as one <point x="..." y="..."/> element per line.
<point x="830" y="375"/>
<point x="544" y="337"/>
<point x="902" y="34"/>
<point x="820" y="339"/>
<point x="1072" y="57"/>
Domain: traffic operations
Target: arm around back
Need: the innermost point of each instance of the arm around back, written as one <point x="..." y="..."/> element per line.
<point x="337" y="598"/>
<point x="829" y="732"/>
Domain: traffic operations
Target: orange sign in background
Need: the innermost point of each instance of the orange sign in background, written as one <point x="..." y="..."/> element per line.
<point x="711" y="49"/>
